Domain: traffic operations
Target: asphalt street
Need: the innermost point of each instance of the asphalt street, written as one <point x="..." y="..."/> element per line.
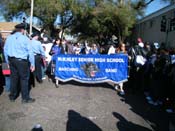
<point x="81" y="107"/>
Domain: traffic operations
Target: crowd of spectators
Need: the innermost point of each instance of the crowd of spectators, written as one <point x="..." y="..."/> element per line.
<point x="155" y="75"/>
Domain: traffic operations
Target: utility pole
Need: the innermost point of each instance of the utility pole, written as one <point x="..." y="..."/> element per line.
<point x="31" y="17"/>
<point x="25" y="28"/>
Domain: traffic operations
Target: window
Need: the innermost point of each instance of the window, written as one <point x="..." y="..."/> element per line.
<point x="151" y="22"/>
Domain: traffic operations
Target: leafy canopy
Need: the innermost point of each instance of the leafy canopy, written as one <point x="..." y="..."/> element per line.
<point x="97" y="20"/>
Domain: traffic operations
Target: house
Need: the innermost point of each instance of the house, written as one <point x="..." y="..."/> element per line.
<point x="7" y="27"/>
<point x="158" y="27"/>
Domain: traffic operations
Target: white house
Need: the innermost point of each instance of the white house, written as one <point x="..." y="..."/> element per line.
<point x="149" y="28"/>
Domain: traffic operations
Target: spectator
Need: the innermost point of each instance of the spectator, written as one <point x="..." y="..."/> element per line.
<point x="64" y="47"/>
<point x="7" y="77"/>
<point x="54" y="51"/>
<point x="112" y="49"/>
<point x="94" y="49"/>
<point x="121" y="50"/>
<point x="77" y="49"/>
<point x="1" y="60"/>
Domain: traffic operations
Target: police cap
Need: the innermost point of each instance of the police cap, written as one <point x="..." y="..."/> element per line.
<point x="21" y="26"/>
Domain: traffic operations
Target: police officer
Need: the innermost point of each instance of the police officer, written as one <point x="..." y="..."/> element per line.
<point x="39" y="54"/>
<point x="19" y="56"/>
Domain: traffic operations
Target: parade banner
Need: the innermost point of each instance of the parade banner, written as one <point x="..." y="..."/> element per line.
<point x="92" y="68"/>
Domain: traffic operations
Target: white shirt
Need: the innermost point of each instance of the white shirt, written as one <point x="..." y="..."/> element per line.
<point x="111" y="50"/>
<point x="47" y="47"/>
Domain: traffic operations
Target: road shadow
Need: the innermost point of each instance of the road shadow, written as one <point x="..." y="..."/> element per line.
<point x="158" y="118"/>
<point x="77" y="122"/>
<point x="103" y="85"/>
<point x="125" y="125"/>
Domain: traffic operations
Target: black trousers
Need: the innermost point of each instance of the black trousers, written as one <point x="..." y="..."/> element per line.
<point x="38" y="70"/>
<point x="19" y="78"/>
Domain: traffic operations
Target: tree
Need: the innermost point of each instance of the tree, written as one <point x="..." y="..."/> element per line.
<point x="45" y="10"/>
<point x="100" y="20"/>
<point x="97" y="20"/>
<point x="107" y="18"/>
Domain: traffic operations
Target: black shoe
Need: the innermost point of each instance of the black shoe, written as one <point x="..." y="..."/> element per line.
<point x="11" y="98"/>
<point x="40" y="81"/>
<point x="30" y="100"/>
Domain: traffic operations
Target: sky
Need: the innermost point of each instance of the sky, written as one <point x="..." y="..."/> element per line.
<point x="155" y="6"/>
<point x="152" y="7"/>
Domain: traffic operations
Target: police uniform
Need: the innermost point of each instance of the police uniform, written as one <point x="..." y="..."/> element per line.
<point x="19" y="56"/>
<point x="39" y="54"/>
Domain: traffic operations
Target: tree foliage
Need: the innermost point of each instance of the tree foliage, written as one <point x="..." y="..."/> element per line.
<point x="97" y="20"/>
<point x="107" y="18"/>
<point x="45" y="10"/>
